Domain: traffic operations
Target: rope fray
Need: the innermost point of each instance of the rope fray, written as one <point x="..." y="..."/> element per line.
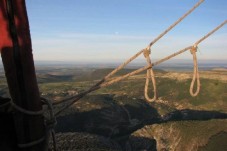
<point x="193" y="51"/>
<point x="150" y="74"/>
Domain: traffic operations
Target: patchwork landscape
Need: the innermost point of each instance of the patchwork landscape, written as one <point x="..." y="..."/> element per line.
<point x="175" y="121"/>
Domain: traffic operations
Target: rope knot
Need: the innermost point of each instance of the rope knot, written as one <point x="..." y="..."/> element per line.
<point x="51" y="123"/>
<point x="146" y="52"/>
<point x="194" y="49"/>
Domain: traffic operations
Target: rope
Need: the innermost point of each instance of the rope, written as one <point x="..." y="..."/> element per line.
<point x="33" y="143"/>
<point x="100" y="83"/>
<point x="174" y="24"/>
<point x="49" y="122"/>
<point x="19" y="69"/>
<point x="150" y="74"/>
<point x="104" y="82"/>
<point x="50" y="125"/>
<point x="195" y="74"/>
<point x="193" y="51"/>
<point x="211" y="32"/>
<point x="54" y="140"/>
<point x="22" y="110"/>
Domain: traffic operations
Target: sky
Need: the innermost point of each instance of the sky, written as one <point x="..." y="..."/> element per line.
<point x="114" y="30"/>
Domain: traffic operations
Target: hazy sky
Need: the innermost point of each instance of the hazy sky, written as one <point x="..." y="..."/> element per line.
<point x="114" y="30"/>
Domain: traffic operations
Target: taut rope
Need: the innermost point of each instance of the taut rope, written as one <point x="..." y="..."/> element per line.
<point x="146" y="51"/>
<point x="104" y="82"/>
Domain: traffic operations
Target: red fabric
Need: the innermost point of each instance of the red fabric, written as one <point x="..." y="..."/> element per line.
<point x="21" y="22"/>
<point x="5" y="39"/>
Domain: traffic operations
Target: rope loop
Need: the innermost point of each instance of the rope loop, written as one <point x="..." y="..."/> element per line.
<point x="33" y="143"/>
<point x="50" y="122"/>
<point x="22" y="110"/>
<point x="193" y="51"/>
<point x="150" y="74"/>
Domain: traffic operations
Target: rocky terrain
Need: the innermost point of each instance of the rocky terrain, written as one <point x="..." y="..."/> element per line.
<point x="120" y="115"/>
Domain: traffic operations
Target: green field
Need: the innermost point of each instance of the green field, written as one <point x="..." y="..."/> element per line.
<point x="173" y="94"/>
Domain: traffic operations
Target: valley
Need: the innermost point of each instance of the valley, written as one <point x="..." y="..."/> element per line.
<point x="175" y="121"/>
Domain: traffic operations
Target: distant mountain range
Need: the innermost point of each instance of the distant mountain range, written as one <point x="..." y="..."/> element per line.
<point x="168" y="65"/>
<point x="173" y="64"/>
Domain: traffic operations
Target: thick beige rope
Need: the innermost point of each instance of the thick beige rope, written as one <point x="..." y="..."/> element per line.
<point x="196" y="71"/>
<point x="195" y="74"/>
<point x="161" y="60"/>
<point x="175" y="23"/>
<point x="104" y="82"/>
<point x="150" y="74"/>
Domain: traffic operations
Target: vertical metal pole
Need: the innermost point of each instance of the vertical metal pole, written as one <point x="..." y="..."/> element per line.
<point x="16" y="52"/>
